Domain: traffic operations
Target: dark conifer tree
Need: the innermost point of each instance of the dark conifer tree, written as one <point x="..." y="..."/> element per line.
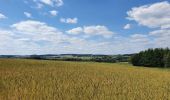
<point x="167" y="60"/>
<point x="152" y="58"/>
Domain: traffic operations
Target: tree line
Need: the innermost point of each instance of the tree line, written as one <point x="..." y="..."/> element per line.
<point x="157" y="57"/>
<point x="94" y="58"/>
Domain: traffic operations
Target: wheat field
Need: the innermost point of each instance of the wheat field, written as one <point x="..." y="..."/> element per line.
<point x="59" y="80"/>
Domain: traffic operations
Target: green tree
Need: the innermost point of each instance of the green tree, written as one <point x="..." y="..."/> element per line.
<point x="167" y="60"/>
<point x="158" y="57"/>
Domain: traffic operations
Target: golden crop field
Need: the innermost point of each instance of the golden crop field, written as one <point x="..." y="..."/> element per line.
<point x="59" y="80"/>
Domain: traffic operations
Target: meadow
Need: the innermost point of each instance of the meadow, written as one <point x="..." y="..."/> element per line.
<point x="22" y="79"/>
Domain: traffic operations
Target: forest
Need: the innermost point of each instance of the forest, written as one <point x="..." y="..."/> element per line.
<point x="157" y="57"/>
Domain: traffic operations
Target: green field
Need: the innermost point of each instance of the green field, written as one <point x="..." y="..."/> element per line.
<point x="59" y="80"/>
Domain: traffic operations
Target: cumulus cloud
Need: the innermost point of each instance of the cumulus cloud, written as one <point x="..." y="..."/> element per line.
<point x="165" y="26"/>
<point x="2" y="16"/>
<point x="139" y="38"/>
<point x="48" y="2"/>
<point x="75" y="31"/>
<point x="161" y="37"/>
<point x="92" y="31"/>
<point x="18" y="41"/>
<point x="157" y="16"/>
<point x="10" y="44"/>
<point x="160" y="33"/>
<point x="69" y="20"/>
<point x="153" y="15"/>
<point x="53" y="3"/>
<point x="127" y="26"/>
<point x="38" y="31"/>
<point x="4" y="34"/>
<point x="28" y="15"/>
<point x="53" y="12"/>
<point x="35" y="37"/>
<point x="98" y="30"/>
<point x="31" y="26"/>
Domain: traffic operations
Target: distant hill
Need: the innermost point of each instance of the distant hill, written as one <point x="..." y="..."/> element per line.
<point x="75" y="57"/>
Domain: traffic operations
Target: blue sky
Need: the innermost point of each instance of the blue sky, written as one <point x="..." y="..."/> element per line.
<point x="83" y="26"/>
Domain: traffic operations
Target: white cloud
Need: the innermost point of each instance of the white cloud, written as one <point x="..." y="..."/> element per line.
<point x="152" y="16"/>
<point x="53" y="3"/>
<point x="162" y="37"/>
<point x="69" y="20"/>
<point x="31" y="26"/>
<point x="48" y="2"/>
<point x="9" y="43"/>
<point x="35" y="37"/>
<point x="5" y="33"/>
<point x="20" y="41"/>
<point x="127" y="26"/>
<point x="53" y="12"/>
<point x="16" y="42"/>
<point x="165" y="26"/>
<point x="139" y="38"/>
<point x="160" y="33"/>
<point x="27" y="14"/>
<point x="92" y="31"/>
<point x="38" y="31"/>
<point x="75" y="31"/>
<point x="2" y="16"/>
<point x="72" y="21"/>
<point x="98" y="30"/>
<point x="155" y="15"/>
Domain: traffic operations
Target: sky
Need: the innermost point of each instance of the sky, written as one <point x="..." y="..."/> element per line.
<point x="83" y="26"/>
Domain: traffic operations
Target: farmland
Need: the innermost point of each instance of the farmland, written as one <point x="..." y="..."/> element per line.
<point x="22" y="79"/>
